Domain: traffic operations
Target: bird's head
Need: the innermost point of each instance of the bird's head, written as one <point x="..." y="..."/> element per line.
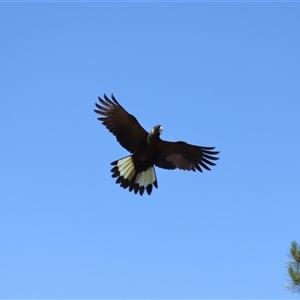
<point x="154" y="134"/>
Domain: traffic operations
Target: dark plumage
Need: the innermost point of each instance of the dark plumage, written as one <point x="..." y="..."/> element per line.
<point x="136" y="171"/>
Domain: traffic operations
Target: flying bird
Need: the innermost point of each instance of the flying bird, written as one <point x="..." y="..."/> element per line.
<point x="136" y="171"/>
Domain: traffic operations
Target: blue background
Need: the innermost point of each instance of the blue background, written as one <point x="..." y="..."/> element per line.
<point x="212" y="74"/>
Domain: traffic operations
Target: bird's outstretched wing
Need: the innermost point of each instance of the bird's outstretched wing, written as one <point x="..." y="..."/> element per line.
<point x="172" y="155"/>
<point x="119" y="122"/>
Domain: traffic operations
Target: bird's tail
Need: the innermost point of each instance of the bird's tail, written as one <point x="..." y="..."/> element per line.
<point x="125" y="171"/>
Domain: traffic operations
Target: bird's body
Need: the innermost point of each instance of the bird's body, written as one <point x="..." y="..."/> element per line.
<point x="136" y="171"/>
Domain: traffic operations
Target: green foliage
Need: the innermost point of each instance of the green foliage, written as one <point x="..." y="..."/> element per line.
<point x="294" y="268"/>
<point x="295" y="251"/>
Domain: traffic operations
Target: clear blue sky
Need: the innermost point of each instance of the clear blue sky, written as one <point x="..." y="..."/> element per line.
<point x="213" y="74"/>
